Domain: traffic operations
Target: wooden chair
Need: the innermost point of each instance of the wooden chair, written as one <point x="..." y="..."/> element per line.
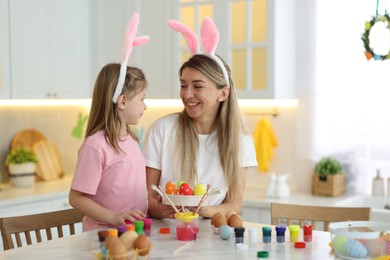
<point x="63" y="221"/>
<point x="316" y="215"/>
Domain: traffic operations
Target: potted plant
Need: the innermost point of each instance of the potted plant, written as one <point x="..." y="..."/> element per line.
<point x="22" y="167"/>
<point x="328" y="178"/>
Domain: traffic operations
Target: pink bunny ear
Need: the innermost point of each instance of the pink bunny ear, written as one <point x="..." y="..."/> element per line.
<point x="188" y="34"/>
<point x="209" y="35"/>
<point x="141" y="40"/>
<point x="130" y="35"/>
<point x="130" y="41"/>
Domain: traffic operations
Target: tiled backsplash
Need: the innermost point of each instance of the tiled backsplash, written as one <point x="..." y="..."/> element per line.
<point x="58" y="122"/>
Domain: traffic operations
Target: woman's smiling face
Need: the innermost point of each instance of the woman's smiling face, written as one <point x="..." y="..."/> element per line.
<point x="199" y="95"/>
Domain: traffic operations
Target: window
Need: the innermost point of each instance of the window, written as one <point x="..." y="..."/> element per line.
<point x="244" y="41"/>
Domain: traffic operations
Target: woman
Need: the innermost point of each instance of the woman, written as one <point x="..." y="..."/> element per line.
<point x="205" y="143"/>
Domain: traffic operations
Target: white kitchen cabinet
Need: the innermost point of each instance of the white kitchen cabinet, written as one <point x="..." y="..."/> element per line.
<point x="49" y="46"/>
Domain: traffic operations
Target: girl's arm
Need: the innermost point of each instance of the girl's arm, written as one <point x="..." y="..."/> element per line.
<point x="235" y="204"/>
<point x="156" y="208"/>
<point x="90" y="208"/>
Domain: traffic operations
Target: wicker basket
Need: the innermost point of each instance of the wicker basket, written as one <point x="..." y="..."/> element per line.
<point x="334" y="185"/>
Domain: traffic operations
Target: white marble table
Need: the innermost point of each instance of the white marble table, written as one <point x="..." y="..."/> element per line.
<point x="208" y="245"/>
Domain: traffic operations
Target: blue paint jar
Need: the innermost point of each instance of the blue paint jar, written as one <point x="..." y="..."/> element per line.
<point x="280" y="234"/>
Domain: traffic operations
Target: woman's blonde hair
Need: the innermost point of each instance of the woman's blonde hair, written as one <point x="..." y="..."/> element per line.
<point x="228" y="126"/>
<point x="104" y="113"/>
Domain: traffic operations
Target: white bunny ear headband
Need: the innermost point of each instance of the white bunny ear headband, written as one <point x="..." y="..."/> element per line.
<point x="210" y="38"/>
<point x="130" y="41"/>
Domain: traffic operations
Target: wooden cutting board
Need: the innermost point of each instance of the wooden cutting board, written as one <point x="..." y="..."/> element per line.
<point x="49" y="165"/>
<point x="26" y="139"/>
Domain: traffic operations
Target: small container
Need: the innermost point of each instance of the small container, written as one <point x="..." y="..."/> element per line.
<point x="139" y="227"/>
<point x="147" y="226"/>
<point x="253" y="232"/>
<point x="130" y="227"/>
<point x="294" y="233"/>
<point x="102" y="234"/>
<point x="121" y="230"/>
<point x="307" y="233"/>
<point x="112" y="232"/>
<point x="239" y="234"/>
<point x="378" y="185"/>
<point x="280" y="234"/>
<point x="187" y="226"/>
<point x="267" y="234"/>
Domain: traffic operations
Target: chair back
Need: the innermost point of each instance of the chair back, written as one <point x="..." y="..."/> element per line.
<point x="25" y="228"/>
<point x="316" y="216"/>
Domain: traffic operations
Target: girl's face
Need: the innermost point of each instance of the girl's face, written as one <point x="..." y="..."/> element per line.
<point x="134" y="108"/>
<point x="200" y="95"/>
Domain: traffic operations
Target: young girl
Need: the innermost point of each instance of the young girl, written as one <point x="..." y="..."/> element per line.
<point x="109" y="183"/>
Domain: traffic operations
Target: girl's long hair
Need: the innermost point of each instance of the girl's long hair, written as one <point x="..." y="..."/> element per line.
<point x="104" y="113"/>
<point x="228" y="126"/>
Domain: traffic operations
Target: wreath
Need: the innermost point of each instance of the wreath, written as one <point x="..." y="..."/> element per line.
<point x="366" y="40"/>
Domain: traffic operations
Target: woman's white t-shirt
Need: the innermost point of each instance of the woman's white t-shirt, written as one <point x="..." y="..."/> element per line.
<point x="159" y="147"/>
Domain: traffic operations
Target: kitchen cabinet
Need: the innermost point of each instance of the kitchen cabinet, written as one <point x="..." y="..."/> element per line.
<point x="49" y="49"/>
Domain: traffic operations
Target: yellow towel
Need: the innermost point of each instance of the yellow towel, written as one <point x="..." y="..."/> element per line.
<point x="265" y="140"/>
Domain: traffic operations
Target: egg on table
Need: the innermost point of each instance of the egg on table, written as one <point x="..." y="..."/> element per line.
<point x="142" y="245"/>
<point x="109" y="241"/>
<point x="128" y="238"/>
<point x="118" y="251"/>
<point x="235" y="221"/>
<point x="219" y="221"/>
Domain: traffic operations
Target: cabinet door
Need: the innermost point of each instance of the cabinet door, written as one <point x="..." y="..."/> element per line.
<point x="49" y="46"/>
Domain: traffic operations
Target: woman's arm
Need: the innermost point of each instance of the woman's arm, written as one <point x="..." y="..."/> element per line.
<point x="156" y="208"/>
<point x="90" y="208"/>
<point x="235" y="204"/>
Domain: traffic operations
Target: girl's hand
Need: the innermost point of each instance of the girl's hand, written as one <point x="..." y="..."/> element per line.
<point x="131" y="215"/>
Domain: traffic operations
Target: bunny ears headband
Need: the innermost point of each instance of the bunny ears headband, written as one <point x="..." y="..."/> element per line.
<point x="130" y="41"/>
<point x="209" y="36"/>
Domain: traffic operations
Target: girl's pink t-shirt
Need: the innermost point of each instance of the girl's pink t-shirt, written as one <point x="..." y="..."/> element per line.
<point x="116" y="181"/>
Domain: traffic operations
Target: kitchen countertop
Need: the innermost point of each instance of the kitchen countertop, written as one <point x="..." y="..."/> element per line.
<point x="253" y="196"/>
<point x="41" y="190"/>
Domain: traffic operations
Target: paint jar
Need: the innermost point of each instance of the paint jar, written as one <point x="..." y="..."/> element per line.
<point x="147" y="226"/>
<point x="139" y="227"/>
<point x="294" y="232"/>
<point x="102" y="234"/>
<point x="239" y="234"/>
<point x="121" y="230"/>
<point x="253" y="232"/>
<point x="112" y="232"/>
<point x="130" y="227"/>
<point x="280" y="234"/>
<point x="267" y="234"/>
<point x="187" y="226"/>
<point x="307" y="233"/>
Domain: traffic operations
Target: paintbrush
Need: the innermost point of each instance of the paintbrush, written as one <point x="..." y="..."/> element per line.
<point x="201" y="200"/>
<point x="160" y="191"/>
<point x="170" y="201"/>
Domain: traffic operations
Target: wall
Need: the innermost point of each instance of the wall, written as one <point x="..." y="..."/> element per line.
<point x="57" y="122"/>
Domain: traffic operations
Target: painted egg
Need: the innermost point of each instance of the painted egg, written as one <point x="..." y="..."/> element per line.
<point x="225" y="232"/>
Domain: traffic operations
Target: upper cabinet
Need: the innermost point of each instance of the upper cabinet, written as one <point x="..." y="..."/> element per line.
<point x="55" y="48"/>
<point x="49" y="49"/>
